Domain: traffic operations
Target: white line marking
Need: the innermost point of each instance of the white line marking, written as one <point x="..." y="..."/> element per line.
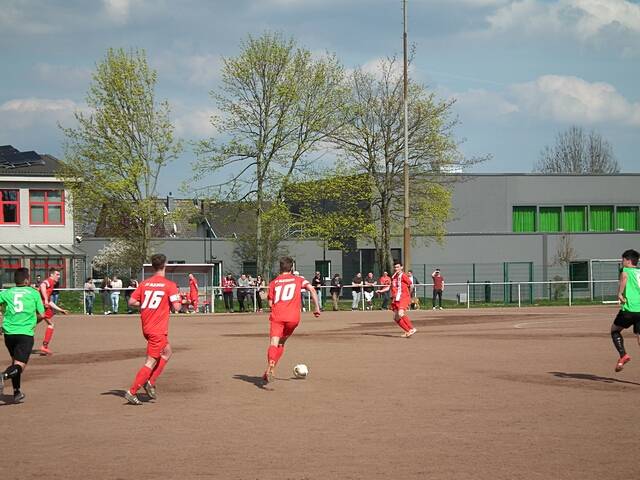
<point x="542" y="322"/>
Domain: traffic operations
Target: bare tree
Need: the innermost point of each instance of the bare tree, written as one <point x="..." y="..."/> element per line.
<point x="578" y="152"/>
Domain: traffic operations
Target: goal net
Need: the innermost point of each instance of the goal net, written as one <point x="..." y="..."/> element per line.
<point x="604" y="273"/>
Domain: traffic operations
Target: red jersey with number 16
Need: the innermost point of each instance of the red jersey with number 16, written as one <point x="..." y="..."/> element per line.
<point x="156" y="294"/>
<point x="285" y="293"/>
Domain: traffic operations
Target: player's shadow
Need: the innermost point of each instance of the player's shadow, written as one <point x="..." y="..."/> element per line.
<point x="258" y="382"/>
<point x="6" y="400"/>
<point x="390" y="335"/>
<point x="120" y="393"/>
<point x="592" y="377"/>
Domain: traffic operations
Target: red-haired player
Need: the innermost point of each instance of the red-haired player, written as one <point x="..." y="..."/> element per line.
<point x="155" y="296"/>
<point x="193" y="292"/>
<point x="401" y="299"/>
<point x="50" y="308"/>
<point x="285" y="295"/>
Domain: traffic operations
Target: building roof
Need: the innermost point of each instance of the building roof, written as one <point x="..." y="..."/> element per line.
<point x="15" y="163"/>
<point x="50" y="250"/>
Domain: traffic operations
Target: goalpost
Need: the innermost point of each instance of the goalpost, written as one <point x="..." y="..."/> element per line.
<point x="604" y="273"/>
<point x="208" y="276"/>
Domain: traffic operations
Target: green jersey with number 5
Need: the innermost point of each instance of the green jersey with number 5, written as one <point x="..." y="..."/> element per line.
<point x="632" y="290"/>
<point x="20" y="307"/>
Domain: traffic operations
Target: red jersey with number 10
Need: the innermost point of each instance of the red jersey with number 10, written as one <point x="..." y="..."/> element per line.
<point x="156" y="294"/>
<point x="285" y="293"/>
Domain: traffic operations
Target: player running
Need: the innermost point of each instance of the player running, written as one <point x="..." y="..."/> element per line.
<point x="23" y="309"/>
<point x="629" y="296"/>
<point x="401" y="299"/>
<point x="50" y="308"/>
<point x="285" y="295"/>
<point x="154" y="296"/>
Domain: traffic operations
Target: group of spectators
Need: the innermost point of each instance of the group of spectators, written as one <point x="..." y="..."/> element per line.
<point x="111" y="288"/>
<point x="245" y="286"/>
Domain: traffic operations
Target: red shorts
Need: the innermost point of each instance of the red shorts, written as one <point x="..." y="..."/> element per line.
<point x="401" y="305"/>
<point x="282" y="329"/>
<point x="155" y="344"/>
<point x="49" y="313"/>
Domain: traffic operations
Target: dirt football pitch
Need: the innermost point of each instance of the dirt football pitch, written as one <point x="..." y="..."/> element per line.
<point x="483" y="394"/>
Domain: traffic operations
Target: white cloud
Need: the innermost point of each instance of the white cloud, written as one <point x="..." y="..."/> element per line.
<point x="556" y="98"/>
<point x="574" y="100"/>
<point x="119" y="10"/>
<point x="24" y="113"/>
<point x="30" y="105"/>
<point x="63" y="75"/>
<point x="584" y="19"/>
<point x="196" y="123"/>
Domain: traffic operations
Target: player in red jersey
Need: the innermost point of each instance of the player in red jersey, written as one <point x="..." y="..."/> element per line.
<point x="46" y="289"/>
<point x="155" y="297"/>
<point x="401" y="299"/>
<point x="285" y="295"/>
<point x="193" y="292"/>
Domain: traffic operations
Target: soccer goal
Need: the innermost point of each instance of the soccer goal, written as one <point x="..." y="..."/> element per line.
<point x="604" y="273"/>
<point x="208" y="276"/>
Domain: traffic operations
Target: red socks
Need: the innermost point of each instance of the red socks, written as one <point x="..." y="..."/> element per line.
<point x="141" y="378"/>
<point x="47" y="335"/>
<point x="157" y="370"/>
<point x="274" y="353"/>
<point x="405" y="323"/>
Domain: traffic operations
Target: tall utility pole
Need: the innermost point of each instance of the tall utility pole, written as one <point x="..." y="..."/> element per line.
<point x="407" y="228"/>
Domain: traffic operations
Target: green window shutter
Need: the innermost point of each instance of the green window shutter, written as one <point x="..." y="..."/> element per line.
<point x="524" y="219"/>
<point x="575" y="219"/>
<point x="550" y="219"/>
<point x="601" y="219"/>
<point x="627" y="219"/>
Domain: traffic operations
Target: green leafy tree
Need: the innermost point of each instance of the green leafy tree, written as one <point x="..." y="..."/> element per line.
<point x="371" y="142"/>
<point x="114" y="156"/>
<point x="278" y="105"/>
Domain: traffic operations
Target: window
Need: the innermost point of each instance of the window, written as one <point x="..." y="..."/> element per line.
<point x="46" y="207"/>
<point x="41" y="266"/>
<point x="7" y="267"/>
<point x="600" y="218"/>
<point x="524" y="219"/>
<point x="9" y="207"/>
<point x="550" y="219"/>
<point x="575" y="219"/>
<point x="627" y="219"/>
<point x="579" y="275"/>
<point x="250" y="268"/>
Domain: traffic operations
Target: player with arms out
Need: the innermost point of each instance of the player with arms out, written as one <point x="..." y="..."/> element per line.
<point x="23" y="309"/>
<point x="50" y="308"/>
<point x="401" y="299"/>
<point x="629" y="296"/>
<point x="285" y="295"/>
<point x="155" y="297"/>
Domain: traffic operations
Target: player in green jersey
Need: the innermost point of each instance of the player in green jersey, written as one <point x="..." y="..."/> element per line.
<point x="629" y="297"/>
<point x="23" y="309"/>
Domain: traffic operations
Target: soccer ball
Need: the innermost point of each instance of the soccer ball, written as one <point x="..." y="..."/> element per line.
<point x="300" y="371"/>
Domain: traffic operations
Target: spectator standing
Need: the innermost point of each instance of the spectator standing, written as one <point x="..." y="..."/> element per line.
<point x="356" y="291"/>
<point x="415" y="303"/>
<point x="116" y="287"/>
<point x="89" y="295"/>
<point x="317" y="283"/>
<point x="243" y="288"/>
<point x="106" y="295"/>
<point x="370" y="283"/>
<point x="385" y="291"/>
<point x="227" y="292"/>
<point x="133" y="284"/>
<point x="438" y="287"/>
<point x="336" y="289"/>
<point x="260" y="291"/>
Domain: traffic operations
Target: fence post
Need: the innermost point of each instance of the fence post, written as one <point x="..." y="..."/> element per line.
<point x="519" y="298"/>
<point x="468" y="299"/>
<point x="569" y="290"/>
<point x="255" y="304"/>
<point x="84" y="301"/>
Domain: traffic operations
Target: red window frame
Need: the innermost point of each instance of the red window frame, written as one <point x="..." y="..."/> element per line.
<point x="15" y="202"/>
<point x="6" y="263"/>
<point x="41" y="266"/>
<point x="45" y="204"/>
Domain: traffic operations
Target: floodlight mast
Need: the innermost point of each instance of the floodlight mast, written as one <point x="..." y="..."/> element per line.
<point x="407" y="227"/>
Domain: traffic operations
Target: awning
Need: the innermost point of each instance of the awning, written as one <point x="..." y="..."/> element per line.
<point x="40" y="250"/>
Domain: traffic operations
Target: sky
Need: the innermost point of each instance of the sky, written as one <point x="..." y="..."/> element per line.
<point x="520" y="71"/>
